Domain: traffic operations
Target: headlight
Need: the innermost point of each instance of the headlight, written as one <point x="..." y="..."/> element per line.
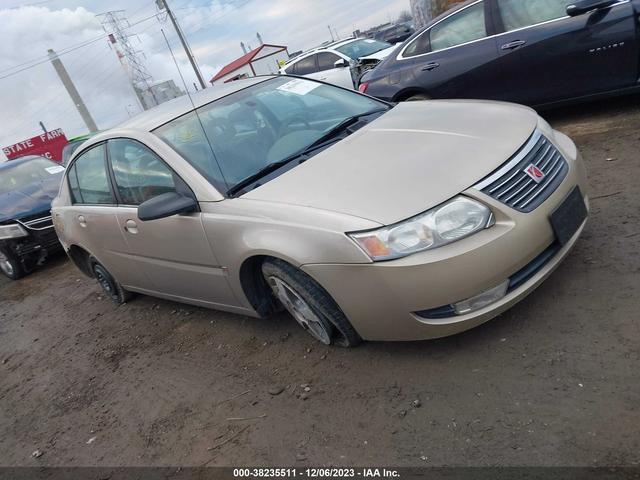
<point x="447" y="223"/>
<point x="12" y="231"/>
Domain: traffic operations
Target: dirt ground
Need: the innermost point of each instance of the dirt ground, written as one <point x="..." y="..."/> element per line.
<point x="554" y="381"/>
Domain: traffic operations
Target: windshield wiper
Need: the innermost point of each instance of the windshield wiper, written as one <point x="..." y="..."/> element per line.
<point x="259" y="174"/>
<point x="302" y="154"/>
<point x="339" y="128"/>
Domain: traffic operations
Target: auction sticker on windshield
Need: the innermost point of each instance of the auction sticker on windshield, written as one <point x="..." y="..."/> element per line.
<point x="55" y="169"/>
<point x="299" y="87"/>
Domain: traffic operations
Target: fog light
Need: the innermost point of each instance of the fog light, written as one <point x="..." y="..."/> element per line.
<point x="480" y="301"/>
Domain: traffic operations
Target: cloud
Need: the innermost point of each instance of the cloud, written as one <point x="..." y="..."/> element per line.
<point x="214" y="28"/>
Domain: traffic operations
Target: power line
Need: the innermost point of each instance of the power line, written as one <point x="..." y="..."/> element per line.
<point x="72" y="49"/>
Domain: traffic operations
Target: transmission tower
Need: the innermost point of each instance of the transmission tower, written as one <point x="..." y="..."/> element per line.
<point x="115" y="24"/>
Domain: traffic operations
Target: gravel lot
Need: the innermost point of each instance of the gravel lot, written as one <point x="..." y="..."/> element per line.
<point x="554" y="381"/>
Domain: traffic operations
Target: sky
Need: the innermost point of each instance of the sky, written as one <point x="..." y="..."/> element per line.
<point x="30" y="90"/>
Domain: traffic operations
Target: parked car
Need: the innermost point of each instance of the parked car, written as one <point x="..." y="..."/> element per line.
<point x="535" y="52"/>
<point x="72" y="146"/>
<point x="363" y="219"/>
<point x="341" y="63"/>
<point x="395" y="33"/>
<point x="27" y="237"/>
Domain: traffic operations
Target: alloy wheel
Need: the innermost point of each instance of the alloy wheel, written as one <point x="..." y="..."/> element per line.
<point x="5" y="265"/>
<point x="300" y="310"/>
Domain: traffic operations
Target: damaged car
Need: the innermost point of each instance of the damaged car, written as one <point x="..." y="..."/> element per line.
<point x="341" y="63"/>
<point x="363" y="219"/>
<point x="27" y="237"/>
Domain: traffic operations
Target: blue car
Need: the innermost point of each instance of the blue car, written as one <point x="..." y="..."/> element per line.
<point x="536" y="52"/>
<point x="27" y="236"/>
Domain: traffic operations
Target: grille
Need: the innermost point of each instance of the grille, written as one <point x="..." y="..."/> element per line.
<point x="46" y="239"/>
<point x="513" y="187"/>
<point x="36" y="222"/>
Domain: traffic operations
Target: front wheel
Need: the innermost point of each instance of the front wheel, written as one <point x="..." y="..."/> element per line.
<point x="11" y="266"/>
<point x="309" y="304"/>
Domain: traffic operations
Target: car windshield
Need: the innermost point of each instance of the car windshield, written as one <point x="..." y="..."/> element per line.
<point x="362" y="48"/>
<point x="19" y="175"/>
<point x="237" y="136"/>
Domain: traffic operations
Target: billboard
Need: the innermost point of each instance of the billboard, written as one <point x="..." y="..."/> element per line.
<point x="49" y="145"/>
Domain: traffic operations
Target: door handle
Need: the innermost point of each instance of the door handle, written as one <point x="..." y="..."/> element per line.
<point x="82" y="221"/>
<point x="430" y="66"/>
<point x="131" y="227"/>
<point x="513" y="45"/>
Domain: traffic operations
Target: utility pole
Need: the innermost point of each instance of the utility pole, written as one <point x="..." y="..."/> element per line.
<point x="141" y="80"/>
<point x="71" y="90"/>
<point x="163" y="5"/>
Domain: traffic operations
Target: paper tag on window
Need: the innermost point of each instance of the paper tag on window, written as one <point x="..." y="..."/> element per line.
<point x="299" y="87"/>
<point x="55" y="169"/>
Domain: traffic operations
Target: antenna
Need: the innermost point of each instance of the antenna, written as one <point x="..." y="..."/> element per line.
<point x="195" y="109"/>
<point x="116" y="22"/>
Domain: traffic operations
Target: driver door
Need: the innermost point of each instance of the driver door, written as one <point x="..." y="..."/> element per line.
<point x="328" y="72"/>
<point x="546" y="55"/>
<point x="173" y="252"/>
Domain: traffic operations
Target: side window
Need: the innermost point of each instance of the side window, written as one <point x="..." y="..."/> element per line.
<point x="88" y="178"/>
<point x="139" y="173"/>
<point x="419" y="46"/>
<point x="326" y="61"/>
<point x="306" y="66"/>
<point x="518" y="14"/>
<point x="462" y="27"/>
<point x="292" y="70"/>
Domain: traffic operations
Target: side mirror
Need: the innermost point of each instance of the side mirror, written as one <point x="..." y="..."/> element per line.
<point x="166" y="205"/>
<point x="583" y="6"/>
<point x="341" y="63"/>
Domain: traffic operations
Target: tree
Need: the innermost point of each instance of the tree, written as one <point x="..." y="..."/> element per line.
<point x="405" y="16"/>
<point x="440" y="6"/>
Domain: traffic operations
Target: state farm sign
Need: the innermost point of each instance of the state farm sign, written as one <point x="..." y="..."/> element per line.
<point x="48" y="145"/>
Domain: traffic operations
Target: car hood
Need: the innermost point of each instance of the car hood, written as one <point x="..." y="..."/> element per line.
<point x="381" y="55"/>
<point x="412" y="158"/>
<point x="31" y="199"/>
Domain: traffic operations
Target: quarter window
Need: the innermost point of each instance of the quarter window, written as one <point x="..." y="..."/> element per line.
<point x="419" y="46"/>
<point x="292" y="70"/>
<point x="88" y="178"/>
<point x="326" y="61"/>
<point x="306" y="66"/>
<point x="139" y="173"/>
<point x="518" y="14"/>
<point x="462" y="27"/>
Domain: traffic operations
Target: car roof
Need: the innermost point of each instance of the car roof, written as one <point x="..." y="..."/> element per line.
<point x="321" y="48"/>
<point x="151" y="119"/>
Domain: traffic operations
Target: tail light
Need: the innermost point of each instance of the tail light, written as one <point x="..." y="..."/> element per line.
<point x="363" y="87"/>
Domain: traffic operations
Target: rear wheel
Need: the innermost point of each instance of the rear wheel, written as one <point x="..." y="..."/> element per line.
<point x="11" y="266"/>
<point x="418" y="98"/>
<point x="309" y="304"/>
<point x="110" y="285"/>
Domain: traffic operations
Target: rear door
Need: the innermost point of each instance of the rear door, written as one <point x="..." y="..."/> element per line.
<point x="91" y="219"/>
<point x="548" y="56"/>
<point x="455" y="58"/>
<point x="327" y="71"/>
<point x="173" y="252"/>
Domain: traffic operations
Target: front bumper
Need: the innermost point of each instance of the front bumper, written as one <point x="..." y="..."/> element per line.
<point x="34" y="248"/>
<point x="380" y="299"/>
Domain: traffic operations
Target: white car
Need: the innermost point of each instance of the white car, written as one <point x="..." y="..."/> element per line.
<point x="340" y="63"/>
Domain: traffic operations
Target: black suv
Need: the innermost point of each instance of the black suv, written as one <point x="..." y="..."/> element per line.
<point x="27" y="237"/>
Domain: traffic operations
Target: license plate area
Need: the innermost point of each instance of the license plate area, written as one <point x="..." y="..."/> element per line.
<point x="568" y="216"/>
